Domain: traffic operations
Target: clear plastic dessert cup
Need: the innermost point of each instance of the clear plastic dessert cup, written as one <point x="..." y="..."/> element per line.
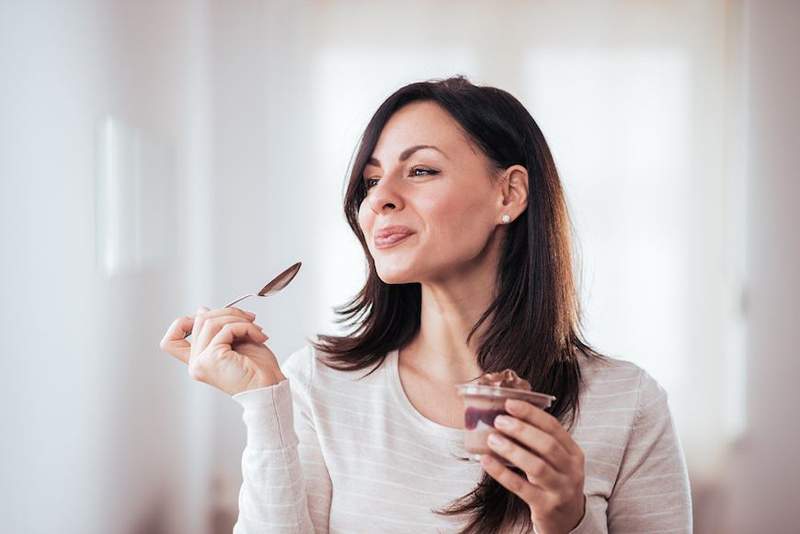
<point x="482" y="403"/>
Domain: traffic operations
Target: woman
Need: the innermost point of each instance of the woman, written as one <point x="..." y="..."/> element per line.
<point x="455" y="198"/>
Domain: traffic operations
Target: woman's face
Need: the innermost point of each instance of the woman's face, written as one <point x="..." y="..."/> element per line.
<point x="444" y="196"/>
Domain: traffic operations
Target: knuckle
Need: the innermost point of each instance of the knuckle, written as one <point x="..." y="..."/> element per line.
<point x="515" y="483"/>
<point x="215" y="323"/>
<point x="537" y="467"/>
<point x="197" y="372"/>
<point x="229" y="329"/>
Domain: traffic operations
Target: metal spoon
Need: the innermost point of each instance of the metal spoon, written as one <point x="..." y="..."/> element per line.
<point x="275" y="285"/>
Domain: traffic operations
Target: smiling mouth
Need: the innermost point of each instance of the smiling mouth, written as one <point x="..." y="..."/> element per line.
<point x="391" y="240"/>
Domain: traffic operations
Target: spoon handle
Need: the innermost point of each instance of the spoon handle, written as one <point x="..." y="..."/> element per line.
<point x="237" y="300"/>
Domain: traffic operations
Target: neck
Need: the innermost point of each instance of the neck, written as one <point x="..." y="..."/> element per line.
<point x="450" y="308"/>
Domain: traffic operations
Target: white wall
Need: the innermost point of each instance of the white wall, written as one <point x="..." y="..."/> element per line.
<point x="99" y="433"/>
<point x="764" y="470"/>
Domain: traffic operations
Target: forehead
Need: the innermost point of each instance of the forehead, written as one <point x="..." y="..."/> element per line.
<point x="420" y="123"/>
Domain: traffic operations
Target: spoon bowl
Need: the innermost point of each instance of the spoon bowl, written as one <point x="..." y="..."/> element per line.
<point x="275" y="285"/>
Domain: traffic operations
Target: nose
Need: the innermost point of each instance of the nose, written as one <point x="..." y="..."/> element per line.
<point x="383" y="196"/>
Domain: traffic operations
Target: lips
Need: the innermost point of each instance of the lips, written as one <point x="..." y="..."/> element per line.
<point x="390" y="235"/>
<point x="395" y="229"/>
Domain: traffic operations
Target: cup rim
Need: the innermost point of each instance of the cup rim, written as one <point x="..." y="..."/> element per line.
<point x="482" y="390"/>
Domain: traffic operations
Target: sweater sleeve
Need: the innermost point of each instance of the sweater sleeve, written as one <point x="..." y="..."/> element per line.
<point x="286" y="487"/>
<point x="593" y="521"/>
<point x="651" y="493"/>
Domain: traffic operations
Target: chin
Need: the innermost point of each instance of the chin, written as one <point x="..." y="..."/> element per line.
<point x="395" y="278"/>
<point x="395" y="275"/>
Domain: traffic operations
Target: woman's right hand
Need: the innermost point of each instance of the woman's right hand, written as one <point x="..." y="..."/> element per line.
<point x="227" y="352"/>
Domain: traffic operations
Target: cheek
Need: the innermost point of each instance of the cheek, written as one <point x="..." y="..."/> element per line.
<point x="457" y="223"/>
<point x="364" y="219"/>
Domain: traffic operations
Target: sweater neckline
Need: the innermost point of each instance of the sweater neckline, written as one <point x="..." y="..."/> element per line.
<point x="396" y="387"/>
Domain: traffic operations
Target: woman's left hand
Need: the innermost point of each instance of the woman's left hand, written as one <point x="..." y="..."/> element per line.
<point x="551" y="460"/>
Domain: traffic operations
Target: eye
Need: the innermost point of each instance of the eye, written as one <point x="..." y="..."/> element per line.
<point x="422" y="169"/>
<point x="413" y="172"/>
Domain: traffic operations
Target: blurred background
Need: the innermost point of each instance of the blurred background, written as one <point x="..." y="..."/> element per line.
<point x="158" y="156"/>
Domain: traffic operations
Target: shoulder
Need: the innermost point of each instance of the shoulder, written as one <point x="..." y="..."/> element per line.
<point x="607" y="374"/>
<point x="298" y="366"/>
<point x="306" y="367"/>
<point x="613" y="380"/>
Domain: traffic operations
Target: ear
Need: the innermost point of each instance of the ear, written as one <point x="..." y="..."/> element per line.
<point x="513" y="198"/>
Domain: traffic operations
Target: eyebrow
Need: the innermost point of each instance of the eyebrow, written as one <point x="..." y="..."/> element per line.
<point x="407" y="154"/>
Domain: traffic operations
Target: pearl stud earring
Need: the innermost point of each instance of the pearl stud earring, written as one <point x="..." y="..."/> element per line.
<point x="506" y="218"/>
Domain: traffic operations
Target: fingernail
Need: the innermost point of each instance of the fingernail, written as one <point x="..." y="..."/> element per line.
<point x="503" y="421"/>
<point x="250" y="314"/>
<point x="496" y="441"/>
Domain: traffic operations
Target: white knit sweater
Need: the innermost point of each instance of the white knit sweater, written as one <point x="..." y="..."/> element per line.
<point x="329" y="453"/>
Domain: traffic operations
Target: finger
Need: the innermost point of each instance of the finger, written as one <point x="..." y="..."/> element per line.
<point x="542" y="420"/>
<point x="228" y="311"/>
<point x="235" y="331"/>
<point x="511" y="481"/>
<point x="539" y="441"/>
<point x="204" y="314"/>
<point x="198" y="320"/>
<point x="539" y="472"/>
<point x="174" y="341"/>
<point x="213" y="325"/>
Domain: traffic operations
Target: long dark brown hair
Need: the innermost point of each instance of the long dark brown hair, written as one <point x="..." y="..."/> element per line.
<point x="534" y="321"/>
